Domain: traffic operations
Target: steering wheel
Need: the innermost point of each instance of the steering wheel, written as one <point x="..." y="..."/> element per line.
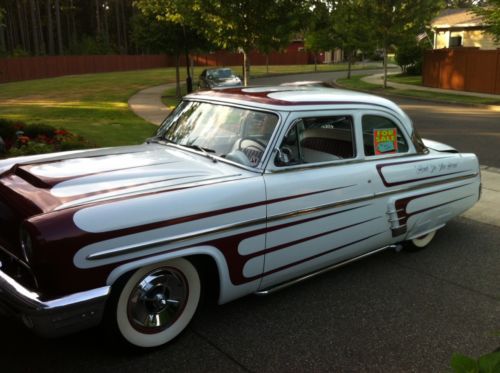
<point x="252" y="143"/>
<point x="252" y="148"/>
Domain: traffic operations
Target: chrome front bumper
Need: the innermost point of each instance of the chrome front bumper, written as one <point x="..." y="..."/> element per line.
<point x="54" y="317"/>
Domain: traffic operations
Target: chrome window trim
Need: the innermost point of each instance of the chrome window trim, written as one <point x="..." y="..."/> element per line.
<point x="259" y="168"/>
<point x="272" y="168"/>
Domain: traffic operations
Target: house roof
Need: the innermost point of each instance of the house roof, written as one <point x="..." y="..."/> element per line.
<point x="451" y="18"/>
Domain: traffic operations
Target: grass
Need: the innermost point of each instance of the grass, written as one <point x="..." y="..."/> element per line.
<point x="357" y="84"/>
<point x="95" y="105"/>
<point x="406" y="79"/>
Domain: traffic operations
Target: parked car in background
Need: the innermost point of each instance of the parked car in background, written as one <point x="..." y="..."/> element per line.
<point x="246" y="190"/>
<point x="218" y="77"/>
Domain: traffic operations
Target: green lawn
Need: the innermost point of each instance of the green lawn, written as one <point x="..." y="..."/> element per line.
<point x="406" y="79"/>
<point x="95" y="105"/>
<point x="357" y="84"/>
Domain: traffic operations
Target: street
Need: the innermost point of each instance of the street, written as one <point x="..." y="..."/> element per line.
<point x="392" y="312"/>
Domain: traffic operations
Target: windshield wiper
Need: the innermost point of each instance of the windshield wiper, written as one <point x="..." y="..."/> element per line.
<point x="159" y="140"/>
<point x="205" y="151"/>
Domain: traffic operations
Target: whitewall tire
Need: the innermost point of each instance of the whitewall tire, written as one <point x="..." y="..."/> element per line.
<point x="158" y="302"/>
<point x="421" y="241"/>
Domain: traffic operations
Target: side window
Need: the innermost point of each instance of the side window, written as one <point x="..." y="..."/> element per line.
<point x="318" y="139"/>
<point x="382" y="136"/>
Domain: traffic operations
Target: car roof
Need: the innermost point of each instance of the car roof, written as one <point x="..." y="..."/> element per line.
<point x="298" y="98"/>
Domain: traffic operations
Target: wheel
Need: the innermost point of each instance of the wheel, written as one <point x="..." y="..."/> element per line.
<point x="157" y="303"/>
<point x="420" y="242"/>
<point x="251" y="143"/>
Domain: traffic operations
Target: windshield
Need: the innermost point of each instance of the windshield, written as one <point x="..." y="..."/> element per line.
<point x="221" y="73"/>
<point x="239" y="135"/>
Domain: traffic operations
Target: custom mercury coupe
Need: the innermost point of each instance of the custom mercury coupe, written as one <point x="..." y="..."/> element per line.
<point x="245" y="190"/>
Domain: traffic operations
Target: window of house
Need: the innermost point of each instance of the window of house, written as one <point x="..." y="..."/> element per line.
<point x="382" y="136"/>
<point x="317" y="139"/>
<point x="455" y="41"/>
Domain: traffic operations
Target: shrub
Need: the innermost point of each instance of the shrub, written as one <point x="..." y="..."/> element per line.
<point x="27" y="139"/>
<point x="409" y="56"/>
<point x="39" y="129"/>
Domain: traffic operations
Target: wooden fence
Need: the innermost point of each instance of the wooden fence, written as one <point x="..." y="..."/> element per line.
<point x="463" y="69"/>
<point x="26" y="68"/>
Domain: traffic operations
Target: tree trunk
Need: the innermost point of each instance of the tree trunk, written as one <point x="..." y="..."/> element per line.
<point x="3" y="43"/>
<point x="106" y="28"/>
<point x="246" y="68"/>
<point x="97" y="19"/>
<point x="21" y="26"/>
<point x="34" y="28"/>
<point x="58" y="26"/>
<point x="315" y="62"/>
<point x="124" y="24"/>
<point x="385" y="67"/>
<point x="178" y="93"/>
<point x="40" y="29"/>
<point x="267" y="63"/>
<point x="50" y="28"/>
<point x="118" y="26"/>
<point x="349" y="62"/>
<point x="73" y="24"/>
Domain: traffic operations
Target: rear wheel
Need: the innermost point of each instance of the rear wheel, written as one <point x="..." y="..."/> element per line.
<point x="420" y="242"/>
<point x="157" y="302"/>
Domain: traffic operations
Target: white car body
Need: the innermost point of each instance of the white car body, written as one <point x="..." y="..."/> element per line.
<point x="261" y="225"/>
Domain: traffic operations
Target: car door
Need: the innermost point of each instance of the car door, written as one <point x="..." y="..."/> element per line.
<point x="320" y="198"/>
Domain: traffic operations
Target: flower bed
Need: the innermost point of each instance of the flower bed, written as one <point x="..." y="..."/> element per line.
<point x="18" y="138"/>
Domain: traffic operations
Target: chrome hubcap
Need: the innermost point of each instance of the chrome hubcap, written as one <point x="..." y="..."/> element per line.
<point x="158" y="300"/>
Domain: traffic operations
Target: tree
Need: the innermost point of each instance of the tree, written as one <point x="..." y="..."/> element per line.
<point x="352" y="29"/>
<point x="409" y="56"/>
<point x="491" y="14"/>
<point x="319" y="34"/>
<point x="393" y="19"/>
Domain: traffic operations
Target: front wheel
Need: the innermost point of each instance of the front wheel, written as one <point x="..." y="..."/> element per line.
<point x="158" y="302"/>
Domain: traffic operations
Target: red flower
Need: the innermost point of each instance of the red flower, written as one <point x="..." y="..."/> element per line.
<point x="61" y="132"/>
<point x="23" y="139"/>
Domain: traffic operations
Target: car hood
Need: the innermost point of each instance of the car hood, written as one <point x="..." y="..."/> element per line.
<point x="69" y="179"/>
<point x="227" y="81"/>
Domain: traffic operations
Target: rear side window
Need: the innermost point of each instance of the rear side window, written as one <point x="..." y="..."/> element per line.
<point x="382" y="136"/>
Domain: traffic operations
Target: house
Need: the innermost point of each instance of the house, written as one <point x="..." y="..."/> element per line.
<point x="461" y="28"/>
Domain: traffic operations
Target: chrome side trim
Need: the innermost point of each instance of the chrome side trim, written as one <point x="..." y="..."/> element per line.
<point x="284" y="285"/>
<point x="179" y="238"/>
<point x="122" y="250"/>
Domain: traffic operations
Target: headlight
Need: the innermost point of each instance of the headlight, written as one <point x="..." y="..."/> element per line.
<point x="26" y="244"/>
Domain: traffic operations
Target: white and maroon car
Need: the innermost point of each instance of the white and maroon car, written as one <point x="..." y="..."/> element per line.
<point x="244" y="189"/>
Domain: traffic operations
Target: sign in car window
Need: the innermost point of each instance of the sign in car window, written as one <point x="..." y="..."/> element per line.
<point x="385" y="140"/>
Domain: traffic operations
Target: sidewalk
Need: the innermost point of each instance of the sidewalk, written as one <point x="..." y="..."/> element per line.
<point x="148" y="105"/>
